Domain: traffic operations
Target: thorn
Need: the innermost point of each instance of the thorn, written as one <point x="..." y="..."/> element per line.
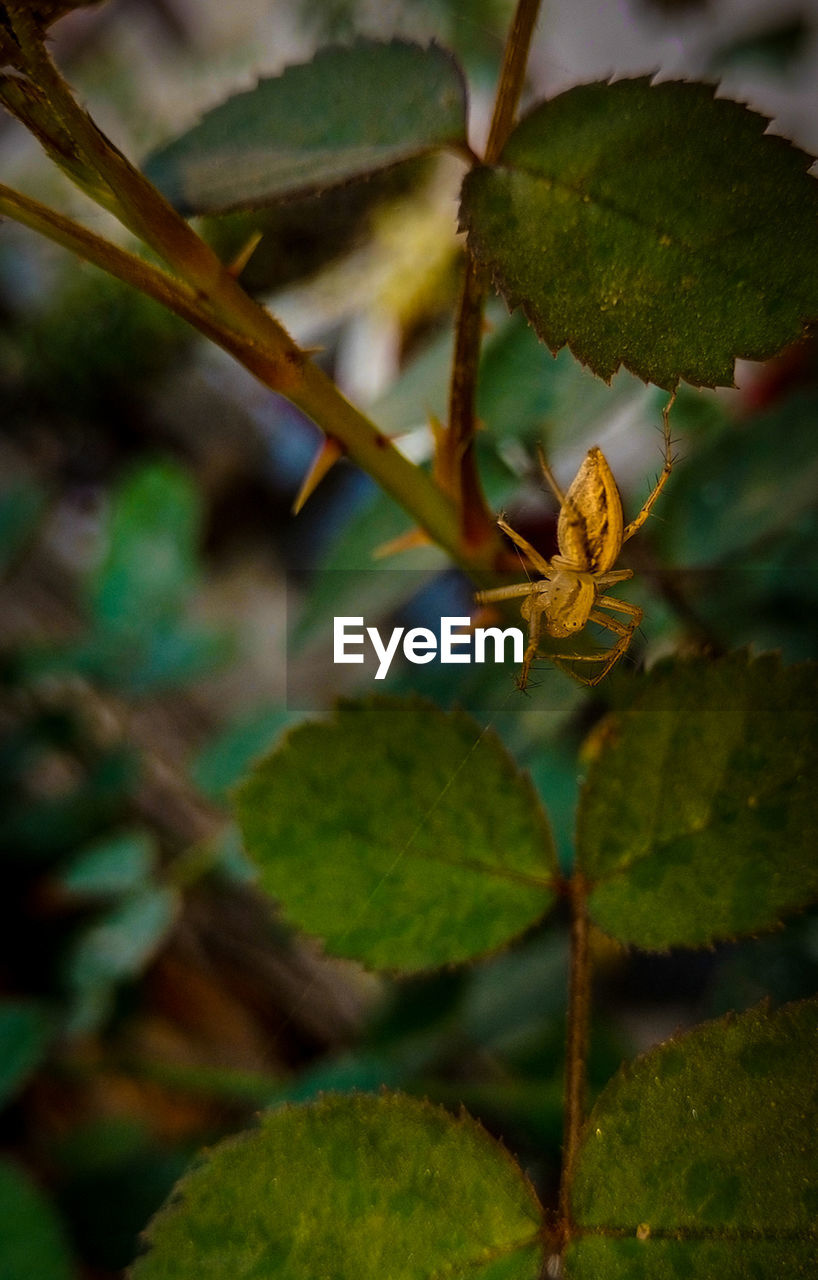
<point x="324" y="461"/>
<point x="404" y="542"/>
<point x="244" y="255"/>
<point x="439" y="435"/>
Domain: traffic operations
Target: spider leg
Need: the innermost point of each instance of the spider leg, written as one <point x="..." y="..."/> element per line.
<point x="505" y="593"/>
<point x="624" y="606"/>
<point x="539" y="562"/>
<point x="549" y="475"/>
<point x="612" y="576"/>
<point x="640" y="519"/>
<point x="534" y="629"/>
<point x="608" y="657"/>
<point x="623" y="630"/>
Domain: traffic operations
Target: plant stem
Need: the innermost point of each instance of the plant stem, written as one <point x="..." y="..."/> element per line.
<point x="136" y="202"/>
<point x="512" y="76"/>
<point x="576" y="1047"/>
<point x="144" y="211"/>
<point x="269" y="365"/>
<point x="140" y="207"/>
<point x="459" y="465"/>
<point x="408" y="484"/>
<point x="205" y="293"/>
<point x="283" y="368"/>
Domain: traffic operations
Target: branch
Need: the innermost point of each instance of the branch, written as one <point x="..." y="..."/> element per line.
<point x="134" y="200"/>
<point x="576" y="1048"/>
<point x="512" y="77"/>
<point x="458" y="465"/>
<point x="205" y="293"/>
<point x="281" y="366"/>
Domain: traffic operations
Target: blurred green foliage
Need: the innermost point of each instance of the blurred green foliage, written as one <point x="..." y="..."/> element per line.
<point x="87" y="899"/>
<point x="84" y="348"/>
<point x="33" y="1245"/>
<point x="91" y="887"/>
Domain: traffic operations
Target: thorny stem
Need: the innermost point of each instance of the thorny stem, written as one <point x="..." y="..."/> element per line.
<point x="144" y="210"/>
<point x="288" y="372"/>
<point x="141" y="208"/>
<point x="459" y="466"/>
<point x="136" y="202"/>
<point x="576" y="1047"/>
<point x="204" y="292"/>
<point x="453" y="511"/>
<point x="118" y="262"/>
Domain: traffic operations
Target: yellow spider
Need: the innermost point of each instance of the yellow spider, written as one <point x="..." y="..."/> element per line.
<point x="590" y="535"/>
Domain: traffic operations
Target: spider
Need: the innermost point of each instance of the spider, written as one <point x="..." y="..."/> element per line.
<point x="590" y="535"/>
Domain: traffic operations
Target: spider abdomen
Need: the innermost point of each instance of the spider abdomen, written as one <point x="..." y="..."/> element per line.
<point x="589" y="531"/>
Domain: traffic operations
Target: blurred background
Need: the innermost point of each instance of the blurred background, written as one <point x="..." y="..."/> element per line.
<point x="162" y="613"/>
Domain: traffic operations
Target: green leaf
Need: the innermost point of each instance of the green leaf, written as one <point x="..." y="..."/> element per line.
<point x="351" y="111"/>
<point x="227" y="757"/>
<point x="357" y="1188"/>
<point x="740" y="490"/>
<point x="697" y="821"/>
<point x="150" y="563"/>
<point x="124" y="940"/>
<point x="708" y="1149"/>
<point x="25" y="1030"/>
<point x="141" y="639"/>
<point x="117" y="947"/>
<point x="118" y="864"/>
<point x="32" y="1244"/>
<point x="652" y="226"/>
<point x="403" y="835"/>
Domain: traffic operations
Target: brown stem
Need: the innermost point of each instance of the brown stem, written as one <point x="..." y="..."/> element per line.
<point x="275" y="366"/>
<point x="281" y="366"/>
<point x="512" y="76"/>
<point x="576" y="1047"/>
<point x="137" y="203"/>
<point x="459" y="466"/>
<point x="458" y="469"/>
<point x="208" y="295"/>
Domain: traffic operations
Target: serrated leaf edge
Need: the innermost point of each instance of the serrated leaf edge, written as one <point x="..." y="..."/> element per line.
<point x="384" y="1099"/>
<point x="544" y="329"/>
<point x="626" y="1072"/>
<point x="360" y="43"/>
